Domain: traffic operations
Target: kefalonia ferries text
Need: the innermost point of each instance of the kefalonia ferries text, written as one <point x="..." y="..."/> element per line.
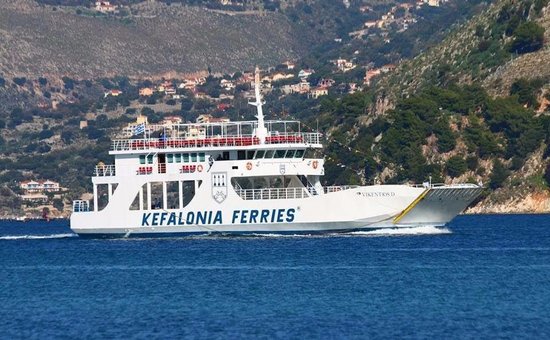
<point x="244" y="177"/>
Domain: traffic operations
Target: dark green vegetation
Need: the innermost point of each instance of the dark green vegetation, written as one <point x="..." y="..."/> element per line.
<point x="511" y="32"/>
<point x="490" y="128"/>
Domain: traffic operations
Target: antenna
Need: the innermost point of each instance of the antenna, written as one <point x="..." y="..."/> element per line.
<point x="261" y="131"/>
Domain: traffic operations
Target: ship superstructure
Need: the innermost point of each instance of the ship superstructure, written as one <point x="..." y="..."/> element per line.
<point x="238" y="177"/>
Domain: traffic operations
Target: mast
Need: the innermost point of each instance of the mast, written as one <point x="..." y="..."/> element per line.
<point x="261" y="131"/>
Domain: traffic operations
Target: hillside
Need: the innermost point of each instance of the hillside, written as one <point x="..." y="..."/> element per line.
<point x="478" y="52"/>
<point x="159" y="39"/>
<point x="472" y="108"/>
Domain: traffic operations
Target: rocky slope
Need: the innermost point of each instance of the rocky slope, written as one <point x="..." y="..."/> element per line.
<point x="530" y="65"/>
<point x="461" y="57"/>
<point x="524" y="191"/>
<point x="37" y="40"/>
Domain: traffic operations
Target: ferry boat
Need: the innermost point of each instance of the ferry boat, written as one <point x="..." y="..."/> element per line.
<point x="244" y="177"/>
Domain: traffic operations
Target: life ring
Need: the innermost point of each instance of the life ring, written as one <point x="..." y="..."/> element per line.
<point x="315" y="164"/>
<point x="199" y="168"/>
<point x="248" y="166"/>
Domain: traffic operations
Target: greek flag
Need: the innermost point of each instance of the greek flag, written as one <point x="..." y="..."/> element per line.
<point x="139" y="129"/>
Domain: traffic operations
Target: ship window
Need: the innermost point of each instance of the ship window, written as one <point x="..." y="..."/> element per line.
<point x="310" y="153"/>
<point x="226" y="155"/>
<point x="299" y="154"/>
<point x="185" y="157"/>
<point x="241" y="154"/>
<point x="177" y="158"/>
<point x="156" y="196"/>
<point x="149" y="159"/>
<point x="289" y="154"/>
<point x="250" y="154"/>
<point x="102" y="196"/>
<point x="194" y="157"/>
<point x="201" y="157"/>
<point x="172" y="195"/>
<point x="269" y="153"/>
<point x="141" y="159"/>
<point x="170" y="158"/>
<point x="260" y="154"/>
<point x="280" y="153"/>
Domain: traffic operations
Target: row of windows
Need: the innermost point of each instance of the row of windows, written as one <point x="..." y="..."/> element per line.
<point x="263" y="154"/>
<point x="185" y="157"/>
<point x="145" y="159"/>
<point x="279" y="154"/>
<point x="241" y="154"/>
<point x="176" y="158"/>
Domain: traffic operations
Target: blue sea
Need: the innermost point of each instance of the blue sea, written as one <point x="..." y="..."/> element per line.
<point x="481" y="277"/>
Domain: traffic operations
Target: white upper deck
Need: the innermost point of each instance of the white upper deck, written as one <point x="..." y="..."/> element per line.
<point x="226" y="135"/>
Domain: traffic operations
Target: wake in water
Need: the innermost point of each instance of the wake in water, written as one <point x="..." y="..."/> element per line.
<point x="36" y="237"/>
<point x="425" y="230"/>
<point x="412" y="231"/>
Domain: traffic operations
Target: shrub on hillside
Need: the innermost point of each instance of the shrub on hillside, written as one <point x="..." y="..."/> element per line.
<point x="456" y="166"/>
<point x="45" y="134"/>
<point x="499" y="175"/>
<point x="20" y="81"/>
<point x="528" y="37"/>
<point x="527" y="91"/>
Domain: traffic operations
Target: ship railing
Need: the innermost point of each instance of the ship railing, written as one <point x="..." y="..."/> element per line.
<point x="104" y="170"/>
<point x="81" y="206"/>
<point x="217" y="141"/>
<point x="273" y="193"/>
<point x="441" y="185"/>
<point x="287" y="193"/>
<point x="180" y="142"/>
<point x="292" y="138"/>
<point x="312" y="137"/>
<point x="337" y="188"/>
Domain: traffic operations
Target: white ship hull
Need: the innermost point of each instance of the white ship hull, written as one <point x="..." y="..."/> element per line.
<point x="369" y="207"/>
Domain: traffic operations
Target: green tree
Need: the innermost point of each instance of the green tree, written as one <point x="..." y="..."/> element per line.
<point x="472" y="162"/>
<point x="20" y="81"/>
<point x="526" y="90"/>
<point x="44" y="134"/>
<point x="186" y="104"/>
<point x="68" y="83"/>
<point x="528" y="37"/>
<point x="58" y="204"/>
<point x="499" y="175"/>
<point x="456" y="166"/>
<point x="446" y="139"/>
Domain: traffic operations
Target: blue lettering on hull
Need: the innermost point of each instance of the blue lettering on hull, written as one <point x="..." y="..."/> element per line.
<point x="246" y="216"/>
